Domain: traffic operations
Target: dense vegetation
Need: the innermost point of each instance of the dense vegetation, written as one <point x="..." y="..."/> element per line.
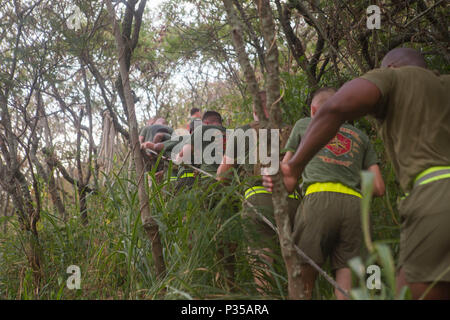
<point x="65" y="201"/>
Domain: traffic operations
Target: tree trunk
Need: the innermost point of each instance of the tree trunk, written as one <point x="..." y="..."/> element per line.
<point x="249" y="72"/>
<point x="280" y="195"/>
<point x="149" y="224"/>
<point x="56" y="198"/>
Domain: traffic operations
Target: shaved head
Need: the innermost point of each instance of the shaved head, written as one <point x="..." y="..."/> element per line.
<point x="400" y="57"/>
<point x="161" y="121"/>
<point x="320" y="97"/>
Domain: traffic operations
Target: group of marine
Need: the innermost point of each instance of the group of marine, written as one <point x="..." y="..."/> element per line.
<point x="326" y="154"/>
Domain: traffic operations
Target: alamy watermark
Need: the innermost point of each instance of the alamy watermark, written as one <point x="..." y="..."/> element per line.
<point x="374" y="280"/>
<point x="235" y="146"/>
<point x="74" y="20"/>
<point x="74" y="281"/>
<point x="373" y="17"/>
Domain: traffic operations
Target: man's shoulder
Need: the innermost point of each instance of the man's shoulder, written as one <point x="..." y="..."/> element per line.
<point x="144" y="129"/>
<point x="161" y="127"/>
<point x="408" y="73"/>
<point x="355" y="132"/>
<point x="304" y="120"/>
<point x="205" y="127"/>
<point x="379" y="76"/>
<point x="444" y="78"/>
<point x="302" y="123"/>
<point x="352" y="127"/>
<point x="212" y="126"/>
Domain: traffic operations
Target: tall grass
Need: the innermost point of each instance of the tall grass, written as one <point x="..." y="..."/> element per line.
<point x="115" y="257"/>
<point x="114" y="254"/>
<point x="379" y="254"/>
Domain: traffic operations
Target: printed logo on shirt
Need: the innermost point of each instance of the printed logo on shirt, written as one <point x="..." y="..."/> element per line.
<point x="339" y="145"/>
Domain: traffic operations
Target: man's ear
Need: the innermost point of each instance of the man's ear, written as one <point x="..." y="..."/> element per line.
<point x="313" y="110"/>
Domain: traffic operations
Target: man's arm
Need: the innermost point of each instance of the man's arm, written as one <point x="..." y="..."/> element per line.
<point x="225" y="166"/>
<point x="288" y="156"/>
<point x="159" y="137"/>
<point x="185" y="151"/>
<point x="355" y="99"/>
<point x="378" y="183"/>
<point x="157" y="147"/>
<point x="142" y="137"/>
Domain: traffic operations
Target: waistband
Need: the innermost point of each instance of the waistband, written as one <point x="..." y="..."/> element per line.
<point x="432" y="174"/>
<point x="186" y="175"/>
<point x="260" y="189"/>
<point x="331" y="187"/>
<point x="191" y="175"/>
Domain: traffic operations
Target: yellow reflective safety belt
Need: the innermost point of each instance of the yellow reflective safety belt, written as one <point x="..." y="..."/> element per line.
<point x="173" y="178"/>
<point x="187" y="175"/>
<point x="432" y="174"/>
<point x="192" y="175"/>
<point x="331" y="187"/>
<point x="262" y="190"/>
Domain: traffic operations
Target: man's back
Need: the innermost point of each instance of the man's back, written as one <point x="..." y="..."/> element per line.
<point x="341" y="160"/>
<point x="415" y="119"/>
<point x="208" y="154"/>
<point x="149" y="132"/>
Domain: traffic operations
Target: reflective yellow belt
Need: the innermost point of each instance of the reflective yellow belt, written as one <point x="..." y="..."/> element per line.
<point x="260" y="189"/>
<point x="432" y="174"/>
<point x="191" y="175"/>
<point x="173" y="178"/>
<point x="331" y="187"/>
<point x="187" y="175"/>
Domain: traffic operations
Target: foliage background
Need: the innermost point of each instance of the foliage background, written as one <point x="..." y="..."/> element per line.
<point x="57" y="83"/>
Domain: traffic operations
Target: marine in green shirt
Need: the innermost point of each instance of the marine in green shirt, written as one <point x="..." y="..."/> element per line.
<point x="207" y="143"/>
<point x="328" y="221"/>
<point x="170" y="149"/>
<point x="339" y="161"/>
<point x="204" y="149"/>
<point x="412" y="104"/>
<point x="155" y="132"/>
<point x="149" y="132"/>
<point x="262" y="239"/>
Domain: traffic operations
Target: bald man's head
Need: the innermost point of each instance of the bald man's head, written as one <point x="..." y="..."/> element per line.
<point x="400" y="57"/>
<point x="161" y="121"/>
<point x="320" y="97"/>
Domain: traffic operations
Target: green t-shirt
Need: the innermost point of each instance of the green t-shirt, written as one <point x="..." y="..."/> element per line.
<point x="149" y="132"/>
<point x="341" y="160"/>
<point x="212" y="140"/>
<point x="414" y="115"/>
<point x="169" y="146"/>
<point x="241" y="153"/>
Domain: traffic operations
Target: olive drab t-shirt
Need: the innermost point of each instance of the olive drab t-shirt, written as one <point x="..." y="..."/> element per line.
<point x="170" y="144"/>
<point x="249" y="166"/>
<point x="209" y="145"/>
<point x="177" y="142"/>
<point x="414" y="115"/>
<point x="149" y="132"/>
<point x="341" y="160"/>
<point x="245" y="166"/>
